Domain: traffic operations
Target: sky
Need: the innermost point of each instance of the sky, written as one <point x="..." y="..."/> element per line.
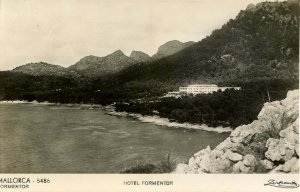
<point x="61" y="32"/>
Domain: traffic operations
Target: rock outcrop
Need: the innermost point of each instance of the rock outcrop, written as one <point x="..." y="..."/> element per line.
<point x="139" y="56"/>
<point x="269" y="144"/>
<point x="170" y="48"/>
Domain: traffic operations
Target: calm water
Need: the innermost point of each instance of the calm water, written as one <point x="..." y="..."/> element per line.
<point x="51" y="139"/>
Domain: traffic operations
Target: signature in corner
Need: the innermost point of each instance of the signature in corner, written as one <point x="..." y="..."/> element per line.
<point x="282" y="184"/>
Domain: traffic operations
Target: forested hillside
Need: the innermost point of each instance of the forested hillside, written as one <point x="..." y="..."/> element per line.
<point x="260" y="44"/>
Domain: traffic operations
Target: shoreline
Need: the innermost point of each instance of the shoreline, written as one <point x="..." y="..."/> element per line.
<point x="110" y="110"/>
<point x="25" y="102"/>
<point x="156" y="120"/>
<point x="83" y="106"/>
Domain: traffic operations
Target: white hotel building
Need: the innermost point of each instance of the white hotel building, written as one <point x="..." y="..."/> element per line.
<point x="198" y="89"/>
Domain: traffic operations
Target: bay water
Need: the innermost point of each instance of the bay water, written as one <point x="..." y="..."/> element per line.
<point x="58" y="139"/>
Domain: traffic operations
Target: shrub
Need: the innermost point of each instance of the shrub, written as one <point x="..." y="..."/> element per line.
<point x="165" y="166"/>
<point x="276" y="126"/>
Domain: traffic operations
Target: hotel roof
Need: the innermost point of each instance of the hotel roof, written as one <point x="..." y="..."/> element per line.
<point x="203" y="85"/>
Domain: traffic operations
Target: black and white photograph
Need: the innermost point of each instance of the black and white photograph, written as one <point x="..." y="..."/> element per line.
<point x="172" y="87"/>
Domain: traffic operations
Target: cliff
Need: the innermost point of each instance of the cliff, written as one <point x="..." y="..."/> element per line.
<point x="268" y="144"/>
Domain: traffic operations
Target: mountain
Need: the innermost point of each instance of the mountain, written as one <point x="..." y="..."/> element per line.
<point x="96" y="66"/>
<point x="41" y="68"/>
<point x="139" y="56"/>
<point x="261" y="43"/>
<point x="258" y="48"/>
<point x="170" y="48"/>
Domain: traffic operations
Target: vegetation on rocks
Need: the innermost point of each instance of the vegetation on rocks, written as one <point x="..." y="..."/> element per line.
<point x="165" y="166"/>
<point x="251" y="148"/>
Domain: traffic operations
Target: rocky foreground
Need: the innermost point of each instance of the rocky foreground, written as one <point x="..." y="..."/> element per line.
<point x="267" y="145"/>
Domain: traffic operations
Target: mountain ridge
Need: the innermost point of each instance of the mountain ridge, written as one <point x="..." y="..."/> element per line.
<point x="94" y="66"/>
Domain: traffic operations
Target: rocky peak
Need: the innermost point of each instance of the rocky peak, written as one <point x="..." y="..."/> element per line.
<point x="117" y="53"/>
<point x="171" y="47"/>
<point x="139" y="56"/>
<point x="90" y="58"/>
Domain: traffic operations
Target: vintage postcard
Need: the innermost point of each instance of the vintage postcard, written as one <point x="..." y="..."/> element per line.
<point x="149" y="95"/>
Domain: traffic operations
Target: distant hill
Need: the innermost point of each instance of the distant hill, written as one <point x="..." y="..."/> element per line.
<point x="170" y="48"/>
<point x="97" y="66"/>
<point x="139" y="56"/>
<point x="41" y="68"/>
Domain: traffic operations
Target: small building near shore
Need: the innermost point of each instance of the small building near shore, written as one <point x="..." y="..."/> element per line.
<point x="198" y="89"/>
<point x="201" y="88"/>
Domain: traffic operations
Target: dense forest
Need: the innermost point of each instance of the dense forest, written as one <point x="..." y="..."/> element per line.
<point x="229" y="108"/>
